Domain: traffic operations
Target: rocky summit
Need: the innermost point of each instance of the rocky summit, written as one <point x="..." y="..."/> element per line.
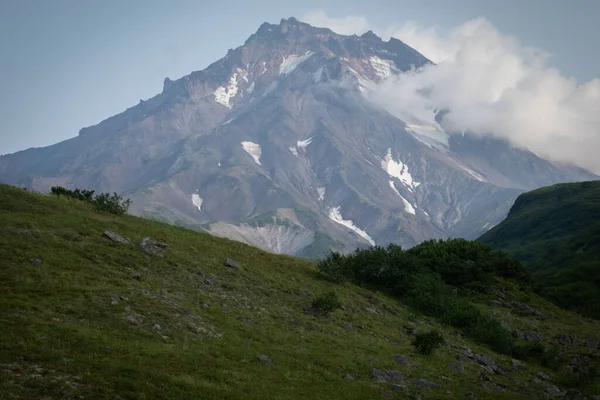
<point x="283" y="144"/>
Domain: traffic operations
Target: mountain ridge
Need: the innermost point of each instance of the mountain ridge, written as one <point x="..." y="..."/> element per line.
<point x="285" y="122"/>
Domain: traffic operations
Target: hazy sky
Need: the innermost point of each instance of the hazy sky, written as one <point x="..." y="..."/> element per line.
<point x="66" y="64"/>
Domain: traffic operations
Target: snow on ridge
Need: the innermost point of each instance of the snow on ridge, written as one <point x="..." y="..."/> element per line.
<point x="294" y="150"/>
<point x="336" y="216"/>
<point x="224" y="95"/>
<point x="291" y="62"/>
<point x="407" y="206"/>
<point x="321" y="191"/>
<point x="250" y="88"/>
<point x="398" y="170"/>
<point x="197" y="201"/>
<point x="303" y="143"/>
<point x="254" y="150"/>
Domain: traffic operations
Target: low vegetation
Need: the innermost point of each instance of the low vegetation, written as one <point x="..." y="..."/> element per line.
<point x="104" y="306"/>
<point x="555" y="233"/>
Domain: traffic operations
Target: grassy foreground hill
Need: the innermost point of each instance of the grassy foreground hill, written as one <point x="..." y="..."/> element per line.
<point x="85" y="317"/>
<point x="555" y="232"/>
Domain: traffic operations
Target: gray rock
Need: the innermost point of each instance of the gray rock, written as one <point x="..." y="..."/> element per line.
<point x="410" y="331"/>
<point x="372" y="310"/>
<point x="208" y="282"/>
<point x="114" y="301"/>
<point x="516" y="364"/>
<point x="456" y="366"/>
<point x="543" y="376"/>
<point x="485" y="377"/>
<point x="200" y="273"/>
<point x="263" y="358"/>
<point x="402" y="360"/>
<point x="471" y="396"/>
<point x="205" y="306"/>
<point x="379" y="376"/>
<point x="149" y="246"/>
<point x="532" y="337"/>
<point x="395" y="376"/>
<point x="463" y="358"/>
<point x="573" y="394"/>
<point x="229" y="263"/>
<point x="36" y="261"/>
<point x="495" y="303"/>
<point x="132" y="320"/>
<point x="564" y="338"/>
<point x="161" y="245"/>
<point x="423" y="383"/>
<point x="348" y="377"/>
<point x="137" y="275"/>
<point x="113" y="237"/>
<point x="156" y="328"/>
<point x="484" y="359"/>
<point x="396" y="387"/>
<point x="517" y="334"/>
<point x="347" y="325"/>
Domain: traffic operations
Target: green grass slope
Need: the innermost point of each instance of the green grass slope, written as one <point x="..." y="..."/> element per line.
<point x="555" y="232"/>
<point x="82" y="317"/>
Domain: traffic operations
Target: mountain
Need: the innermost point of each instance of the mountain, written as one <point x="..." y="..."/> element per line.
<point x="87" y="316"/>
<point x="280" y="144"/>
<point x="555" y="232"/>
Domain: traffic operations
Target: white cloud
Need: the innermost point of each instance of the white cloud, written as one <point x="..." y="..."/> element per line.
<point x="348" y="25"/>
<point x="491" y="84"/>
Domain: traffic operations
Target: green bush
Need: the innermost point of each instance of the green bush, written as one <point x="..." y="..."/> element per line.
<point x="426" y="343"/>
<point x="114" y="204"/>
<point x="326" y="302"/>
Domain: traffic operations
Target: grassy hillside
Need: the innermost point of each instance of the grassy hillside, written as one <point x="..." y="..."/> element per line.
<point x="555" y="232"/>
<point x="82" y="317"/>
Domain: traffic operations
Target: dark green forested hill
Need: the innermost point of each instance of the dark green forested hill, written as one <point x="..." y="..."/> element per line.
<point x="555" y="232"/>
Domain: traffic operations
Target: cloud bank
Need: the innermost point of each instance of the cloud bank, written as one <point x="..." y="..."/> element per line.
<point x="494" y="85"/>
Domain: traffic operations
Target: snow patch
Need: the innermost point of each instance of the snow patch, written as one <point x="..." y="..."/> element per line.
<point x="291" y="62"/>
<point x="303" y="143"/>
<point x="197" y="201"/>
<point x="429" y="130"/>
<point x="254" y="150"/>
<point x="398" y="170"/>
<point x="318" y="75"/>
<point x="382" y="68"/>
<point x="321" y="191"/>
<point x="294" y="151"/>
<point x="336" y="216"/>
<point x="228" y="121"/>
<point x="224" y="95"/>
<point x="407" y="206"/>
<point x="250" y="88"/>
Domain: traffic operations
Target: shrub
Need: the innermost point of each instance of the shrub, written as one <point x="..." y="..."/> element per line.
<point x="426" y="343"/>
<point x="114" y="204"/>
<point x="326" y="302"/>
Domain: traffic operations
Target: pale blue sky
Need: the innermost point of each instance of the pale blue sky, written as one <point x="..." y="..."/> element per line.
<point x="66" y="64"/>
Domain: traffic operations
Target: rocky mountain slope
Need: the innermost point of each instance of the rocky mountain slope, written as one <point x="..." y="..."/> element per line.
<point x="281" y="145"/>
<point x="555" y="232"/>
<point x="86" y="314"/>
